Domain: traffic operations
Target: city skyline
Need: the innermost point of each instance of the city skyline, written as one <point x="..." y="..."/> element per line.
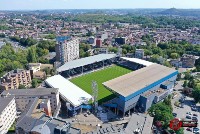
<point x="94" y="4"/>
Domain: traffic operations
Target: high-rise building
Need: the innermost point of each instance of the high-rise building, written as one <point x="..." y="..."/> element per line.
<point x="67" y="49"/>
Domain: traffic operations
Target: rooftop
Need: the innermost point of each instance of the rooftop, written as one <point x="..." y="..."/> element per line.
<point x="68" y="90"/>
<point x="139" y="61"/>
<point x="158" y="92"/>
<point x="4" y="103"/>
<point x="32" y="92"/>
<point x="129" y="83"/>
<point x="85" y="61"/>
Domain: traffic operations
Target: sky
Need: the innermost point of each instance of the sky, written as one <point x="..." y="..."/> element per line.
<point x="95" y="4"/>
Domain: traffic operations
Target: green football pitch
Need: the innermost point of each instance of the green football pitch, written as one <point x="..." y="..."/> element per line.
<point x="100" y="76"/>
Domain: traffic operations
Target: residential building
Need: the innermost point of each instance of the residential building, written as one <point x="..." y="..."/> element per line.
<point x="139" y="53"/>
<point x="175" y="63"/>
<point x="7" y="113"/>
<point x="188" y="61"/>
<point x="36" y="120"/>
<point x="120" y="40"/>
<point x="102" y="36"/>
<point x="23" y="97"/>
<point x="39" y="75"/>
<point x="67" y="49"/>
<point x="34" y="66"/>
<point x="99" y="43"/>
<point x="103" y="50"/>
<point x="14" y="78"/>
<point x="91" y="40"/>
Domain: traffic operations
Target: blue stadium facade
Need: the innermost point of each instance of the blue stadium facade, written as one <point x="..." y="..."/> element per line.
<point x="142" y="99"/>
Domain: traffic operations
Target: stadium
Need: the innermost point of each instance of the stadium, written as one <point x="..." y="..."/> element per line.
<point x="124" y="84"/>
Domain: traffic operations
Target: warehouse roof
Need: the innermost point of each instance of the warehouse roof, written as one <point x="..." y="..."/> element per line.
<point x="129" y="83"/>
<point x="85" y="61"/>
<point x="68" y="90"/>
<point x="139" y="61"/>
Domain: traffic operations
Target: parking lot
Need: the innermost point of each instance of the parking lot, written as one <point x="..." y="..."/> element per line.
<point x="181" y="112"/>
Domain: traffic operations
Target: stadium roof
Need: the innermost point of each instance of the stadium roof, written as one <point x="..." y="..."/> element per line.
<point x="85" y="61"/>
<point x="129" y="83"/>
<point x="139" y="61"/>
<point x="68" y="90"/>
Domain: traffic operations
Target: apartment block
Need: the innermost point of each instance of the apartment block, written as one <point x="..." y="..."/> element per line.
<point x="67" y="49"/>
<point x="14" y="78"/>
<point x="24" y="96"/>
<point x="7" y="113"/>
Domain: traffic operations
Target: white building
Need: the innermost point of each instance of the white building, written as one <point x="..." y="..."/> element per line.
<point x="67" y="50"/>
<point x="34" y="66"/>
<point x="7" y="113"/>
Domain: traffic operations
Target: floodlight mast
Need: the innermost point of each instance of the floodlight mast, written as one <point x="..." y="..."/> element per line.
<point x="95" y="95"/>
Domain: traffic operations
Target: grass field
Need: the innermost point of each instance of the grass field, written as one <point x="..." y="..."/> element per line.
<point x="85" y="81"/>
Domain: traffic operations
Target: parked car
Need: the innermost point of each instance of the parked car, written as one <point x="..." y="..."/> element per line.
<point x="195" y="115"/>
<point x="189" y="129"/>
<point x="174" y="114"/>
<point x="194" y="119"/>
<point x="194" y="109"/>
<point x="188" y="117"/>
<point x="195" y="130"/>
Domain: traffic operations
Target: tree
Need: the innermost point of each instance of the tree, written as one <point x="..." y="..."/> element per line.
<point x="180" y="131"/>
<point x="31" y="57"/>
<point x="185" y="84"/>
<point x="47" y="70"/>
<point x="196" y="94"/>
<point x="178" y="77"/>
<point x="34" y="83"/>
<point x="167" y="64"/>
<point x="187" y="76"/>
<point x="21" y="86"/>
<point x="174" y="55"/>
<point x="191" y="83"/>
<point x="162" y="112"/>
<point x="2" y="35"/>
<point x="113" y="49"/>
<point x="124" y="51"/>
